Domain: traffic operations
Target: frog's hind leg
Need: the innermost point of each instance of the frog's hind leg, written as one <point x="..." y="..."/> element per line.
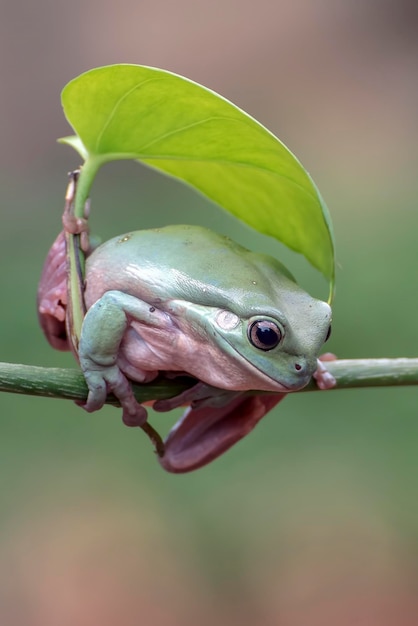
<point x="206" y="432"/>
<point x="52" y="295"/>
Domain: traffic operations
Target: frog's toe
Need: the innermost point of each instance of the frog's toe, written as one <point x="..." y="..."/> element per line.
<point x="324" y="378"/>
<point x="97" y="393"/>
<point x="133" y="413"/>
<point x="103" y="381"/>
<point x="136" y="417"/>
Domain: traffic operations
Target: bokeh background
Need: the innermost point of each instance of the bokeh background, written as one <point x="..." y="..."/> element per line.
<point x="313" y="519"/>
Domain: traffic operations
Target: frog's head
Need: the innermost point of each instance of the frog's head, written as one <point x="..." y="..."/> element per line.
<point x="267" y="340"/>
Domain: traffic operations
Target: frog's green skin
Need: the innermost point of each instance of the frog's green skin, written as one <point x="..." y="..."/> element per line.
<point x="183" y="299"/>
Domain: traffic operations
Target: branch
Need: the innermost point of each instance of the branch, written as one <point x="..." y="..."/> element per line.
<point x="69" y="384"/>
<point x="356" y="373"/>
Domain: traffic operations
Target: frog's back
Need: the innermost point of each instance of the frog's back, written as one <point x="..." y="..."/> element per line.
<point x="187" y="262"/>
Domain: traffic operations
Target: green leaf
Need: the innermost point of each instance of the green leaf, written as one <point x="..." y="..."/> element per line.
<point x="191" y="133"/>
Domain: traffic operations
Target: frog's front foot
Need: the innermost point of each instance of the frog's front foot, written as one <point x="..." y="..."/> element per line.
<point x="324" y="378"/>
<point x="102" y="380"/>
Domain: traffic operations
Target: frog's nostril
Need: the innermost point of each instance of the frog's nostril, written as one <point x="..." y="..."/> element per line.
<point x="298" y="367"/>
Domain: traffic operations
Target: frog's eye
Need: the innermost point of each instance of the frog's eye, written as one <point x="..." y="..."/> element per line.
<point x="328" y="334"/>
<point x="264" y="334"/>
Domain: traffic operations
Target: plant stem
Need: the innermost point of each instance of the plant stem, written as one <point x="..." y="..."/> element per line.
<point x="85" y="180"/>
<point x="69" y="383"/>
<point x="357" y="373"/>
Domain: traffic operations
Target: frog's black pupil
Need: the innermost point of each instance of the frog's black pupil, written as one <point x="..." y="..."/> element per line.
<point x="266" y="336"/>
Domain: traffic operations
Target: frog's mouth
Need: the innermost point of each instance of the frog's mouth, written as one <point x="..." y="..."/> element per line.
<point x="298" y="373"/>
<point x="205" y="433"/>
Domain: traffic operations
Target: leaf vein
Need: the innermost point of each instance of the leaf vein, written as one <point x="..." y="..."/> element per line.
<point x="200" y="123"/>
<point x="118" y="104"/>
<point x="144" y="157"/>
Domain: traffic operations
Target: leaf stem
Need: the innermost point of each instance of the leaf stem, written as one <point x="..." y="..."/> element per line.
<point x="85" y="180"/>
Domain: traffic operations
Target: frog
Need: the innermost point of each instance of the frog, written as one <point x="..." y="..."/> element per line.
<point x="184" y="300"/>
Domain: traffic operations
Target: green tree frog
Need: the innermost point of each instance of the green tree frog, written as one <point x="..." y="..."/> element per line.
<point x="183" y="299"/>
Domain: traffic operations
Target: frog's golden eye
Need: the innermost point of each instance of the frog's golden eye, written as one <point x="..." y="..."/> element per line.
<point x="264" y="334"/>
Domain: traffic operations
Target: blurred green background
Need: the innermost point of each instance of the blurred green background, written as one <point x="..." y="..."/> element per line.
<point x="313" y="519"/>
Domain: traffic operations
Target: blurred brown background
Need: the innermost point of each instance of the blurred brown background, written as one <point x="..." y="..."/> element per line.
<point x="313" y="519"/>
